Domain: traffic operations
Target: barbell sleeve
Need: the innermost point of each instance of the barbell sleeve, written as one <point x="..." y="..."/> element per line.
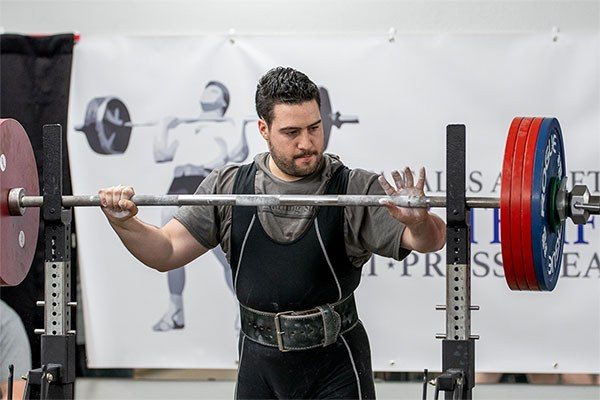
<point x="592" y="206"/>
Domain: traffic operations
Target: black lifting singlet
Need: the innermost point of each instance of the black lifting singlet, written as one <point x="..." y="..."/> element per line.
<point x="299" y="275"/>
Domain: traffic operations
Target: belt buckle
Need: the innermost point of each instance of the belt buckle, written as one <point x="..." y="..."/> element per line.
<point x="278" y="331"/>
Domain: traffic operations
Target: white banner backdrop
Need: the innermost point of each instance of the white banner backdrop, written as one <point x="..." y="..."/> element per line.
<point x="404" y="94"/>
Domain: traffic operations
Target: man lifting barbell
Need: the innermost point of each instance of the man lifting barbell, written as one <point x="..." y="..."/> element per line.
<point x="189" y="173"/>
<point x="294" y="275"/>
<point x="295" y="267"/>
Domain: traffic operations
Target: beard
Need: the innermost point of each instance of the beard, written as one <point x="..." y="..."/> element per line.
<point x="289" y="166"/>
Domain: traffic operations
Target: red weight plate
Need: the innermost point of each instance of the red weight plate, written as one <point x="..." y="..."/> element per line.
<point x="526" y="186"/>
<point x="505" y="209"/>
<point x="18" y="234"/>
<point x="516" y="235"/>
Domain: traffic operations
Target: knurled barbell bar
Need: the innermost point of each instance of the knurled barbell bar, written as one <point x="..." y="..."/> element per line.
<point x="534" y="202"/>
<point x="18" y="201"/>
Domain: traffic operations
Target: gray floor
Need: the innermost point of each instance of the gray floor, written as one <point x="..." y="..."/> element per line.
<point x="102" y="388"/>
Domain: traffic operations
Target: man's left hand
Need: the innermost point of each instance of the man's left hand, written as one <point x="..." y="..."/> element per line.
<point x="405" y="186"/>
<point x="425" y="232"/>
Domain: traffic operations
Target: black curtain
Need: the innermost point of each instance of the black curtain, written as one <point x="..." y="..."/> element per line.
<point x="35" y="74"/>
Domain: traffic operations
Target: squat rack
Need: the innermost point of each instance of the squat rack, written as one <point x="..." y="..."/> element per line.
<point x="56" y="378"/>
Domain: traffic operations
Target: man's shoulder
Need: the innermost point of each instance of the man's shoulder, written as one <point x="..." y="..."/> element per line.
<point x="362" y="181"/>
<point x="221" y="179"/>
<point x="226" y="171"/>
<point x="332" y="164"/>
<point x="363" y="174"/>
<point x="333" y="161"/>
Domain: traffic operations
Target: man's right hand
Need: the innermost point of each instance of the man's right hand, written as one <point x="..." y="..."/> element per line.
<point x="116" y="203"/>
<point x="163" y="249"/>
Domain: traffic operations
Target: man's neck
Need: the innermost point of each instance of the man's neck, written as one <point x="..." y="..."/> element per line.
<point x="279" y="173"/>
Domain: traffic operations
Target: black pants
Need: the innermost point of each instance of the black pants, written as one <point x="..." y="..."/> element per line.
<point x="339" y="371"/>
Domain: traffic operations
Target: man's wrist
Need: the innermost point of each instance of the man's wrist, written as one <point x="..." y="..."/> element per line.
<point x="421" y="225"/>
<point x="125" y="225"/>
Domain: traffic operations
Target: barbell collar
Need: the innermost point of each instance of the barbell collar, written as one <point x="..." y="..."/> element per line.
<point x="562" y="204"/>
<point x="15" y="197"/>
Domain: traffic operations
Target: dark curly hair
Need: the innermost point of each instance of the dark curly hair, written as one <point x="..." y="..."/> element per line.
<point x="283" y="85"/>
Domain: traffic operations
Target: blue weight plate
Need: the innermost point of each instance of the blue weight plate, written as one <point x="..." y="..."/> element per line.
<point x="549" y="162"/>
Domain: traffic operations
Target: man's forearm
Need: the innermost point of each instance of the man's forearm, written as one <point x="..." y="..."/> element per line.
<point x="425" y="237"/>
<point x="146" y="242"/>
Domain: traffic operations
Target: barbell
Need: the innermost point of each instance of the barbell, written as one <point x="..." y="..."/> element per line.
<point x="534" y="203"/>
<point x="107" y="123"/>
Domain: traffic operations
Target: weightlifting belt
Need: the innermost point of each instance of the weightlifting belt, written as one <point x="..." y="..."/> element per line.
<point x="300" y="330"/>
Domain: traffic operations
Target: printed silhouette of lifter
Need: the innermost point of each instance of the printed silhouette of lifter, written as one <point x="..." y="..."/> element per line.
<point x="187" y="177"/>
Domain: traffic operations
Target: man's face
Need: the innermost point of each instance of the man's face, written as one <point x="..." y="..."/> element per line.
<point x="295" y="138"/>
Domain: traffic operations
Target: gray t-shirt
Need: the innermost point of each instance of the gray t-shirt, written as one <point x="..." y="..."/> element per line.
<point x="367" y="229"/>
<point x="14" y="345"/>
